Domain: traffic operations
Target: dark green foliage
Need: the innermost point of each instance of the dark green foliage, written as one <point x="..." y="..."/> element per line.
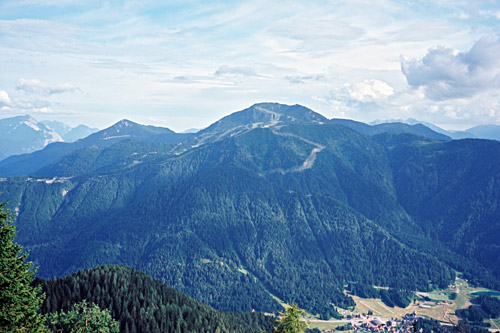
<point x="490" y="305"/>
<point x="472" y="313"/>
<point x="95" y="159"/>
<point x="482" y="307"/>
<point x="395" y="297"/>
<point x="363" y="290"/>
<point x="314" y="330"/>
<point x="428" y="326"/>
<point x="452" y="189"/>
<point x="346" y="327"/>
<point x="291" y="321"/>
<point x="142" y="304"/>
<point x="19" y="301"/>
<point x="471" y="327"/>
<point x="83" y="317"/>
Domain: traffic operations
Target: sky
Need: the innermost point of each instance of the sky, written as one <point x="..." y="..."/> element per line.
<point x="186" y="64"/>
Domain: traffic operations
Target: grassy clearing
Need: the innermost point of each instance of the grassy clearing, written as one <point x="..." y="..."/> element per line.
<point x="325" y="325"/>
<point x="437" y="304"/>
<point x="364" y="305"/>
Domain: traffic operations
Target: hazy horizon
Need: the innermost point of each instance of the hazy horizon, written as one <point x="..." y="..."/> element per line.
<point x="193" y="129"/>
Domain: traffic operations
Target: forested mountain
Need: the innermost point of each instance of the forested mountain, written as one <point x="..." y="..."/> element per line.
<point x="491" y="132"/>
<point x="288" y="205"/>
<point x="24" y="134"/>
<point x="257" y="116"/>
<point x="452" y="190"/>
<point x="27" y="164"/>
<point x="141" y="303"/>
<point x="392" y="127"/>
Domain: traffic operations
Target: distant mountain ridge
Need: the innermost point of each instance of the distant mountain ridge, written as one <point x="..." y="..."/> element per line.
<point x="490" y="132"/>
<point x="24" y="134"/>
<point x="70" y="134"/>
<point x="123" y="130"/>
<point x="394" y="127"/>
<point x="261" y="115"/>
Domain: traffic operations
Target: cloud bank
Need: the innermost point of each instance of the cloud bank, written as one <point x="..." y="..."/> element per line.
<point x="446" y="74"/>
<point x="35" y="86"/>
<point x="228" y="70"/>
<point x="369" y="90"/>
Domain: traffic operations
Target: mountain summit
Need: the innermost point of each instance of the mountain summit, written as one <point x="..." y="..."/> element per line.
<point x="126" y="129"/>
<point x="258" y="115"/>
<point x="265" y="115"/>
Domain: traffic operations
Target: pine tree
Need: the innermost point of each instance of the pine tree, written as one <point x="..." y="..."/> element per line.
<point x="290" y="321"/>
<point x="84" y="317"/>
<point x="19" y="300"/>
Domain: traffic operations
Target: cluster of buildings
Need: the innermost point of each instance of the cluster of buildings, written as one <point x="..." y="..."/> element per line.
<point x="367" y="323"/>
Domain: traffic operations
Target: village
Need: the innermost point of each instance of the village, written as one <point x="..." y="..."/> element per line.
<point x="372" y="315"/>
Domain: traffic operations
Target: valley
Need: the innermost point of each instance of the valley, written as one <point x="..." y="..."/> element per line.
<point x="439" y="304"/>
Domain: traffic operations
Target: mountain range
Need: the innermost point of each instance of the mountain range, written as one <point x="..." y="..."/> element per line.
<point x="274" y="202"/>
<point x="26" y="164"/>
<point x="490" y="132"/>
<point x="24" y="134"/>
<point x="67" y="133"/>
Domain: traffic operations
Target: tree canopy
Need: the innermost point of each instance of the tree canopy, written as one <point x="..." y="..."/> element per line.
<point x="84" y="317"/>
<point x="290" y="321"/>
<point x="19" y="300"/>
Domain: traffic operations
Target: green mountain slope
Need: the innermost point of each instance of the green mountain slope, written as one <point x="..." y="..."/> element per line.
<point x="141" y="303"/>
<point x="28" y="164"/>
<point x="452" y="190"/>
<point x="294" y="209"/>
<point x="244" y="216"/>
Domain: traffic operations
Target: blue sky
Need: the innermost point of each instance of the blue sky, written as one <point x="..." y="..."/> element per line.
<point x="184" y="64"/>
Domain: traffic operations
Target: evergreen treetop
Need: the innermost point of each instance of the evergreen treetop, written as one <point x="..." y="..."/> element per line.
<point x="291" y="322"/>
<point x="19" y="300"/>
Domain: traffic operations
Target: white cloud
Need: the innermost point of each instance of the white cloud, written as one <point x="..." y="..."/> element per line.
<point x="448" y="74"/>
<point x="490" y="13"/>
<point x="228" y="70"/>
<point x="159" y="57"/>
<point x="4" y="99"/>
<point x="35" y="86"/>
<point x="369" y="90"/>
